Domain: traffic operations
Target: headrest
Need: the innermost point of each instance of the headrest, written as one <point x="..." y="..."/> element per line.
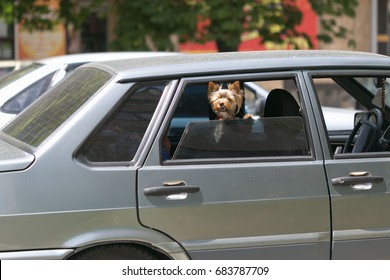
<point x="281" y="103"/>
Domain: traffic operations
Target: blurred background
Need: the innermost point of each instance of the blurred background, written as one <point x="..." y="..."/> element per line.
<point x="31" y="30"/>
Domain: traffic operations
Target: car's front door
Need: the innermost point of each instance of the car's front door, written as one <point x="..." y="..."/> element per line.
<point x="270" y="203"/>
<point x="359" y="182"/>
<point x="360" y="211"/>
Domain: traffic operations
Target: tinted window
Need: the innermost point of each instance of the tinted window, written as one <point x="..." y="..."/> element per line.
<point x="20" y="101"/>
<point x="120" y="136"/>
<point x="193" y="102"/>
<point x="13" y="76"/>
<point x="275" y="136"/>
<point x="42" y="118"/>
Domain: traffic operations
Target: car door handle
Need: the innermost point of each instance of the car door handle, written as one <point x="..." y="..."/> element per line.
<point x="169" y="190"/>
<point x="357" y="180"/>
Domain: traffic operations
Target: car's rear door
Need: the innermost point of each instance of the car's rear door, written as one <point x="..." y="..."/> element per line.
<point x="263" y="207"/>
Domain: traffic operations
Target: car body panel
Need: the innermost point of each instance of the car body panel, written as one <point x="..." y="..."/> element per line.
<point x="360" y="215"/>
<point x="58" y="254"/>
<point x="80" y="229"/>
<point x="250" y="213"/>
<point x="13" y="158"/>
<point x="244" y="62"/>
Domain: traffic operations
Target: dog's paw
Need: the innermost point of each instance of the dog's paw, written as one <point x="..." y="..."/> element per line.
<point x="248" y="116"/>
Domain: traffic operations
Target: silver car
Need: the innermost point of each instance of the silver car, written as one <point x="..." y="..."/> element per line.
<point x="125" y="160"/>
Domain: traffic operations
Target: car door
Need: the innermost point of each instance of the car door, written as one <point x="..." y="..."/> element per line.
<point x="239" y="206"/>
<point x="359" y="182"/>
<point x="361" y="224"/>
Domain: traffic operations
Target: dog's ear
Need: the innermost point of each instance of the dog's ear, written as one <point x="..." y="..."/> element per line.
<point x="213" y="87"/>
<point x="236" y="88"/>
<point x="239" y="93"/>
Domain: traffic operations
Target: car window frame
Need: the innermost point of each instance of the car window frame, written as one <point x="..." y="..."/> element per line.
<point x="149" y="135"/>
<point x="301" y="87"/>
<point x="309" y="76"/>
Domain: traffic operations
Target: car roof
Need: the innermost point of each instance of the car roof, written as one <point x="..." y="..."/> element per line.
<point x="189" y="64"/>
<point x="99" y="56"/>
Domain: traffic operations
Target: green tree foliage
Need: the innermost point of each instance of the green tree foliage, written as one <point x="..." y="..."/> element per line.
<point x="163" y="24"/>
<point x="267" y="18"/>
<point x="150" y="24"/>
<point x="37" y="16"/>
<point x="146" y="23"/>
<point x="335" y="8"/>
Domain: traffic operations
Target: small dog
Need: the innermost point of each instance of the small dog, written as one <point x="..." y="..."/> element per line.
<point x="226" y="103"/>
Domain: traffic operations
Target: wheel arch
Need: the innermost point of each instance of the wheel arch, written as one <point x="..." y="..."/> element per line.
<point x="153" y="241"/>
<point x="102" y="247"/>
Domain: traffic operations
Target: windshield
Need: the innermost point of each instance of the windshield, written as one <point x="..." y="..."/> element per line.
<point x="35" y="124"/>
<point x="14" y="75"/>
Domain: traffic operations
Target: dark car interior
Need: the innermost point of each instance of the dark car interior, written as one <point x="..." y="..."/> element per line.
<point x="370" y="131"/>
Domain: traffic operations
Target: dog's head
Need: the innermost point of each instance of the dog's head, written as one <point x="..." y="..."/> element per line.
<point x="225" y="103"/>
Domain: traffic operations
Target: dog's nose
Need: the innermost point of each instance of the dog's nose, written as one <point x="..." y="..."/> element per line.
<point x="221" y="104"/>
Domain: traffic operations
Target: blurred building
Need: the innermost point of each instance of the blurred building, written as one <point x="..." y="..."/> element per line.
<point x="17" y="43"/>
<point x="370" y="30"/>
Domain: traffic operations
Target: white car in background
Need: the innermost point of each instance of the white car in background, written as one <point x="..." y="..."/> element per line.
<point x="7" y="66"/>
<point x="336" y="119"/>
<point x="20" y="88"/>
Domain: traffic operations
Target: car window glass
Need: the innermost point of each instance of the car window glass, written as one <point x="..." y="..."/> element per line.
<point x="14" y="75"/>
<point x="20" y="101"/>
<point x="6" y="70"/>
<point x="379" y="87"/>
<point x="35" y="124"/>
<point x="332" y="94"/>
<point x="275" y="129"/>
<point x="344" y="101"/>
<point x="119" y="137"/>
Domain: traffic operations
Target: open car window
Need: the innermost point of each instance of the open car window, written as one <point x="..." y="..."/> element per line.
<point x="268" y="123"/>
<point x="355" y="113"/>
